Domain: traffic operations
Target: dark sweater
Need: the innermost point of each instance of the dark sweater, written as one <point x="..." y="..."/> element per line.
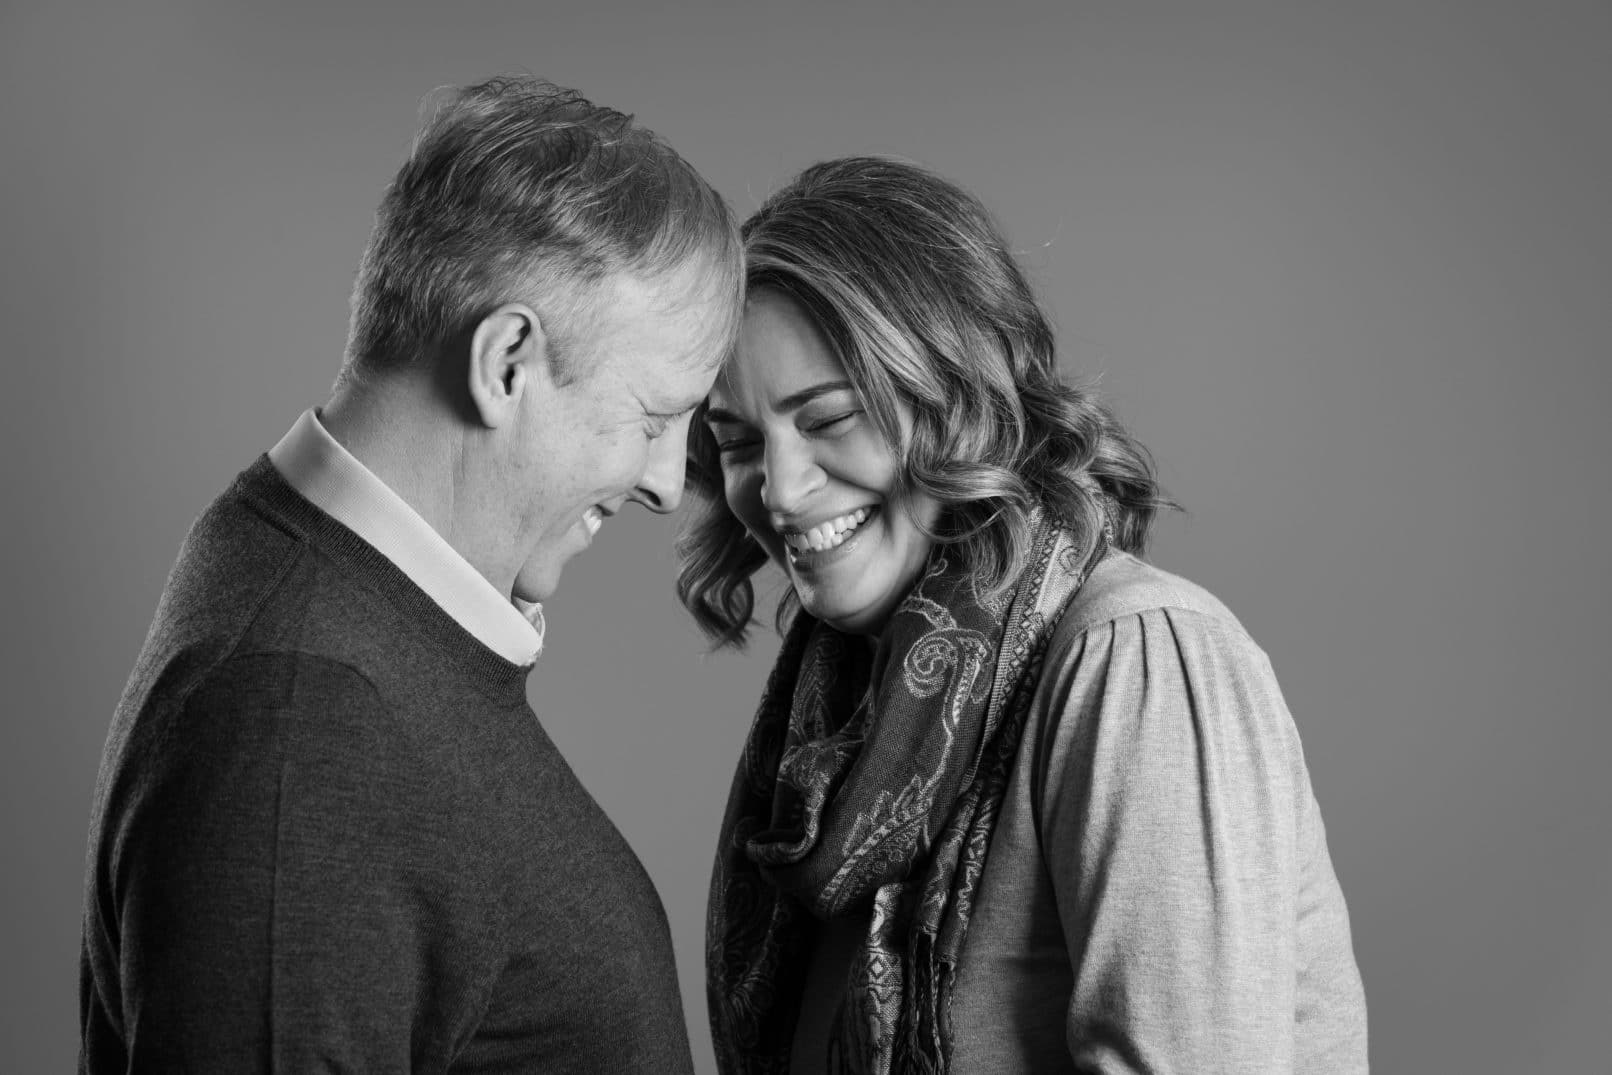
<point x="330" y="834"/>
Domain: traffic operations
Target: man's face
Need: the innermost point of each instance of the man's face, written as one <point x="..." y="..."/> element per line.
<point x="640" y="364"/>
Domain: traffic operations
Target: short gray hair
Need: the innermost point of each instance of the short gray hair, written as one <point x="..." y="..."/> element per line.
<point x="520" y="190"/>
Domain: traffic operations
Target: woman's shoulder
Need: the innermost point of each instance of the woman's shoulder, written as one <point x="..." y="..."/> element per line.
<point x="1136" y="639"/>
<point x="1122" y="585"/>
<point x="1133" y="604"/>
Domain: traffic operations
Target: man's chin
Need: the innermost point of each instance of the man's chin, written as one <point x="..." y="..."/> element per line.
<point x="530" y="595"/>
<point x="535" y="584"/>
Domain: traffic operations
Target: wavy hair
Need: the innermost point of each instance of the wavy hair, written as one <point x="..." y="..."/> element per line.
<point x="520" y="189"/>
<point x="916" y="291"/>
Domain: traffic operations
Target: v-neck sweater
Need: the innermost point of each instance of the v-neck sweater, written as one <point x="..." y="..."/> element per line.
<point x="329" y="832"/>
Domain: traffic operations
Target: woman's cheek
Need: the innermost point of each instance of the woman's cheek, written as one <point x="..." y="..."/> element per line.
<point x="743" y="495"/>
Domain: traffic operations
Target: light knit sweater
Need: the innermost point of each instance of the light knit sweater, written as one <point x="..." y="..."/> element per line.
<point x="1158" y="895"/>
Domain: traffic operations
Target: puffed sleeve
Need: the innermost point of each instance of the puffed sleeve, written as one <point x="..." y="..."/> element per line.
<point x="1205" y="926"/>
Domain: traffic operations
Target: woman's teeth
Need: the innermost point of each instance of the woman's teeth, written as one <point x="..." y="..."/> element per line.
<point x="827" y="535"/>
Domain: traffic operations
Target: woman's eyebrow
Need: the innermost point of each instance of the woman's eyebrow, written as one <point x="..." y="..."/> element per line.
<point x="788" y="403"/>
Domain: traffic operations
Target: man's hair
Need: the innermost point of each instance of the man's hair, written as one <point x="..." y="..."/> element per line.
<point x="520" y="190"/>
<point x="919" y="296"/>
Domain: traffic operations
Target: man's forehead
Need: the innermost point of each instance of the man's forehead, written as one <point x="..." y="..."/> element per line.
<point x="708" y="356"/>
<point x="696" y="283"/>
<point x="681" y="370"/>
<point x="700" y="380"/>
<point x="665" y="340"/>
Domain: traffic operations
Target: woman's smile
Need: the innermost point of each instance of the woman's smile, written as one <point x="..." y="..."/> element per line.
<point x="827" y="542"/>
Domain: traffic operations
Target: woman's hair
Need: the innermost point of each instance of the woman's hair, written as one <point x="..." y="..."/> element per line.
<point x="916" y="291"/>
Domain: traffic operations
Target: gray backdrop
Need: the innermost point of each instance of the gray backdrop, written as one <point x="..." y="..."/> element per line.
<point x="1347" y="268"/>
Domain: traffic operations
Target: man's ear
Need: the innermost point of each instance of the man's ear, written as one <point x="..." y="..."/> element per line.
<point x="509" y="357"/>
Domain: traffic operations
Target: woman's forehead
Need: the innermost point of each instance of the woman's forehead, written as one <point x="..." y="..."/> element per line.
<point x="781" y="358"/>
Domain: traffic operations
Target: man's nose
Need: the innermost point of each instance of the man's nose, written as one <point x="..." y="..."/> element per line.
<point x="661" y="487"/>
<point x="790" y="475"/>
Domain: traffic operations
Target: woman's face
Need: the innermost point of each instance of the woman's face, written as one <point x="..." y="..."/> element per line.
<point x="806" y="471"/>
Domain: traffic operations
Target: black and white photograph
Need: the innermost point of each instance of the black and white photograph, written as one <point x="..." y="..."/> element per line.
<point x="850" y="538"/>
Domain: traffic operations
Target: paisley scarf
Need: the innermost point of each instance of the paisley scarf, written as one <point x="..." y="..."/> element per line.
<point x="873" y="783"/>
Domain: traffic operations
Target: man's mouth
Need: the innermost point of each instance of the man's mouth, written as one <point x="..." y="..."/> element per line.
<point x="593" y="519"/>
<point x="829" y="534"/>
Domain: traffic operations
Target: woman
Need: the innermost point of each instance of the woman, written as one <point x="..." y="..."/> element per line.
<point x="1013" y="800"/>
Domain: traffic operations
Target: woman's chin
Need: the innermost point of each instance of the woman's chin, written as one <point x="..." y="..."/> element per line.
<point x="852" y="617"/>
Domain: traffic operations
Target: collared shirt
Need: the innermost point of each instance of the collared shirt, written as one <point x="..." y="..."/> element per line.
<point x="334" y="481"/>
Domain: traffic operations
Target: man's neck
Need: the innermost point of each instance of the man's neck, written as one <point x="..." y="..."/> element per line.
<point x="404" y="439"/>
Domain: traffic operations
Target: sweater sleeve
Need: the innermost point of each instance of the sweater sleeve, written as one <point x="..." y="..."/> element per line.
<point x="1177" y="825"/>
<point x="293" y="888"/>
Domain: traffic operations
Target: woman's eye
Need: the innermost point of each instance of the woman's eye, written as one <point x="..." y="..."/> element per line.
<point x="823" y="425"/>
<point x="734" y="446"/>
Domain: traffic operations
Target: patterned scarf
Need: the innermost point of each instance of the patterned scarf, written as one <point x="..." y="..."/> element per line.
<point x="875" y="782"/>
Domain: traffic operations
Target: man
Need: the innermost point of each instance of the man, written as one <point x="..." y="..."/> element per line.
<point x="328" y="832"/>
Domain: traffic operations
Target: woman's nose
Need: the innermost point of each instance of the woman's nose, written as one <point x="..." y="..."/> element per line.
<point x="791" y="475"/>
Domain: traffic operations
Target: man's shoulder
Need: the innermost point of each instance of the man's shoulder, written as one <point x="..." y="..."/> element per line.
<point x="250" y="711"/>
<point x="251" y="577"/>
<point x="245" y="582"/>
<point x="308" y="709"/>
<point x="285" y="679"/>
<point x="228" y="565"/>
<point x="233" y="550"/>
<point x="264" y="614"/>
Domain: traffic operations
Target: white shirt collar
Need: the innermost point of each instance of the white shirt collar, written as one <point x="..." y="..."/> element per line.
<point x="333" y="480"/>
